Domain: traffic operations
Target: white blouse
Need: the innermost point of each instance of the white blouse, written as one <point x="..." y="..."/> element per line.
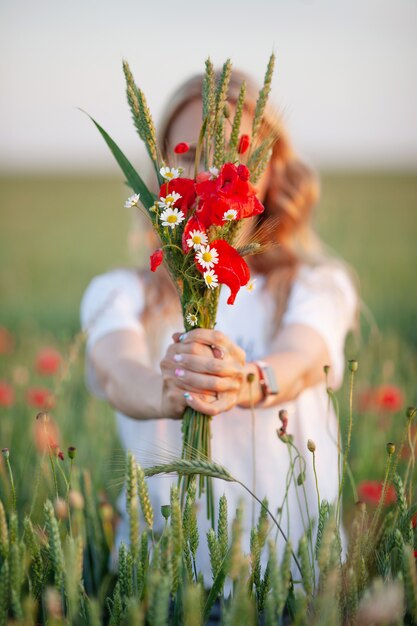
<point x="322" y="298"/>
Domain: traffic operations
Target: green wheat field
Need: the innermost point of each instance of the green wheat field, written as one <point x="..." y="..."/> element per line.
<point x="56" y="233"/>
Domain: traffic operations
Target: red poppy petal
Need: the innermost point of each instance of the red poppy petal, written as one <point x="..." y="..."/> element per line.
<point x="156" y="259"/>
<point x="185" y="187"/>
<point x="181" y="148"/>
<point x="243" y="145"/>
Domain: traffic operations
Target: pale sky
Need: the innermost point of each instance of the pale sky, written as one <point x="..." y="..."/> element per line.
<point x="346" y="73"/>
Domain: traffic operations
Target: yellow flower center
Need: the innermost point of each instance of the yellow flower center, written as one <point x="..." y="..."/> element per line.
<point x="169" y="199"/>
<point x="172" y="219"/>
<point x="196" y="239"/>
<point x="207" y="257"/>
<point x="209" y="279"/>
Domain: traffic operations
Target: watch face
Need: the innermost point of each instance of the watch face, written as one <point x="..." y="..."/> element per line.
<point x="271" y="381"/>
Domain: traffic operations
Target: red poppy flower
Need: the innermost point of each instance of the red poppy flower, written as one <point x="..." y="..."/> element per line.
<point x="370" y="491"/>
<point x="230" y="190"/>
<point x="181" y="148"/>
<point x="231" y="269"/>
<point x="40" y="398"/>
<point x="244" y="143"/>
<point x="6" y="341"/>
<point x="389" y="398"/>
<point x="48" y="361"/>
<point x="185" y="187"/>
<point x="6" y="394"/>
<point x="156" y="259"/>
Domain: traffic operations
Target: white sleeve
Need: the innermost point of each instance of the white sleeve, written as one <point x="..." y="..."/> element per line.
<point x="325" y="299"/>
<point x="112" y="301"/>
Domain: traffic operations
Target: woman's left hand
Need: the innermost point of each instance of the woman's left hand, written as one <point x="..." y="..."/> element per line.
<point x="221" y="375"/>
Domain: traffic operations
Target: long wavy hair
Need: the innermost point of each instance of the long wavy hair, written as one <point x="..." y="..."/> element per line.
<point x="285" y="227"/>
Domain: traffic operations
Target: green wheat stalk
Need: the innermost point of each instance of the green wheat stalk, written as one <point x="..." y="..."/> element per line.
<point x="142" y="117"/>
<point x="188" y="467"/>
<point x="237" y="119"/>
<point x="55" y="547"/>
<point x="263" y="97"/>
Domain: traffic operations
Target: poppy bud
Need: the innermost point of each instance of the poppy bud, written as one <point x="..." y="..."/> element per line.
<point x="283" y="415"/>
<point x="301" y="479"/>
<point x="5" y="452"/>
<point x="244" y="142"/>
<point x="243" y="172"/>
<point x="43" y="417"/>
<point x="390" y="448"/>
<point x="353" y="365"/>
<point x="411" y="411"/>
<point x="166" y="511"/>
<point x="72" y="452"/>
<point x="326" y="369"/>
<point x="156" y="259"/>
<point x="250" y="377"/>
<point x="181" y="148"/>
<point x="311" y="445"/>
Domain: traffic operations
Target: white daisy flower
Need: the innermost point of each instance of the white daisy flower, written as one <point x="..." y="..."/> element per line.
<point x="132" y="201"/>
<point x="207" y="257"/>
<point x="197" y="239"/>
<point x="229" y="215"/>
<point x="191" y="319"/>
<point x="251" y="285"/>
<point x="211" y="279"/>
<point x="169" y="173"/>
<point x="171" y="217"/>
<point x="214" y="172"/>
<point x="169" y="200"/>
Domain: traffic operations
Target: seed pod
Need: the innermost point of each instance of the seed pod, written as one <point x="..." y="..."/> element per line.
<point x="311" y="445"/>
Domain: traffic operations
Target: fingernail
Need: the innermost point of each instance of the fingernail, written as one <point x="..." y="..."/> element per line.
<point x="179" y="372"/>
<point x="188" y="396"/>
<point x="178" y="357"/>
<point x="183" y="336"/>
<point x="217" y="352"/>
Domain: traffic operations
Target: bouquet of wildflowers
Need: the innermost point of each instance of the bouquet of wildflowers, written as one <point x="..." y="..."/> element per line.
<point x="197" y="219"/>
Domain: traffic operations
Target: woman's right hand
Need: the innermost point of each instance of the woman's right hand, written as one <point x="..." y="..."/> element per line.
<point x="173" y="401"/>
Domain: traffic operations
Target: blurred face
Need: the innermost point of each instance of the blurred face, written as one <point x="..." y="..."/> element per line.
<point x="186" y="127"/>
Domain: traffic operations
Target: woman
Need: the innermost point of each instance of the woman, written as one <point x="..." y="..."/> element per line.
<point x="295" y="323"/>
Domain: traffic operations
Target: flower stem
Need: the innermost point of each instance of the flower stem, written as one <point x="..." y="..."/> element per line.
<point x="273" y="519"/>
<point x="349" y="435"/>
<point x="377" y="513"/>
<point x="253" y="416"/>
<point x="53" y="473"/>
<point x="9" y="469"/>
<point x="317" y="482"/>
<point x="411" y="463"/>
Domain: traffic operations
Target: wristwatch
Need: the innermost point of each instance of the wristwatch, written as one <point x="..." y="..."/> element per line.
<point x="267" y="379"/>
